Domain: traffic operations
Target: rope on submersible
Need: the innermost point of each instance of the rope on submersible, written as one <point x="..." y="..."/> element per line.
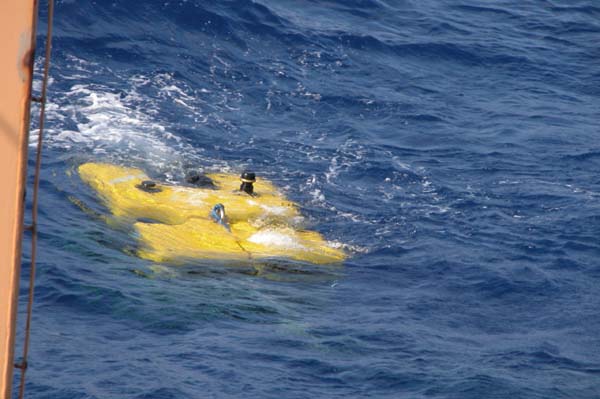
<point x="36" y="185"/>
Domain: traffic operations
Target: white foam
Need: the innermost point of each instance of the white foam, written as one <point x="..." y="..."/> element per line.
<point x="347" y="155"/>
<point x="276" y="238"/>
<point x="275" y="210"/>
<point x="121" y="117"/>
<point x="110" y="123"/>
<point x="348" y="247"/>
<point x="127" y="178"/>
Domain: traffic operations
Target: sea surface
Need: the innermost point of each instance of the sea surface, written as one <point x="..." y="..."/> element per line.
<point x="451" y="147"/>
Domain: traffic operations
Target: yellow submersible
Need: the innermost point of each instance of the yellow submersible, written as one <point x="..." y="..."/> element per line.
<point x="213" y="218"/>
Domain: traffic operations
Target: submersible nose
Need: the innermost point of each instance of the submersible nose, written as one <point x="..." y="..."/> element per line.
<point x="248" y="179"/>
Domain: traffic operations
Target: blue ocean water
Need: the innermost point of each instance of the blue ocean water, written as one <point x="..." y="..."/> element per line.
<point x="450" y="146"/>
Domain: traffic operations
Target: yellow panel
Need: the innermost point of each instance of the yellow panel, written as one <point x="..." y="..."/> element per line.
<point x="117" y="186"/>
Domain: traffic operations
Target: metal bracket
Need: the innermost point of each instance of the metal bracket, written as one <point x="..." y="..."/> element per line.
<point x="22" y="365"/>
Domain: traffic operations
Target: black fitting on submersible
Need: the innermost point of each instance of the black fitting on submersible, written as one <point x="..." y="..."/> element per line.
<point x="199" y="179"/>
<point x="248" y="179"/>
<point x="149" y="186"/>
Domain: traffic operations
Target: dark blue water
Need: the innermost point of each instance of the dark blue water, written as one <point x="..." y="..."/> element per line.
<point x="451" y="146"/>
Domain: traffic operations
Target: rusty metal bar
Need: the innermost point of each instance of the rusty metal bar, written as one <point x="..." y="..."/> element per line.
<point x="36" y="189"/>
<point x="17" y="43"/>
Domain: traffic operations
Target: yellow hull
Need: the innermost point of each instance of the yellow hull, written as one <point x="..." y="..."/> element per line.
<point x="173" y="223"/>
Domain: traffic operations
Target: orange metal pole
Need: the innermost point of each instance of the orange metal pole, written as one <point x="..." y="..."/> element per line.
<point x="17" y="44"/>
